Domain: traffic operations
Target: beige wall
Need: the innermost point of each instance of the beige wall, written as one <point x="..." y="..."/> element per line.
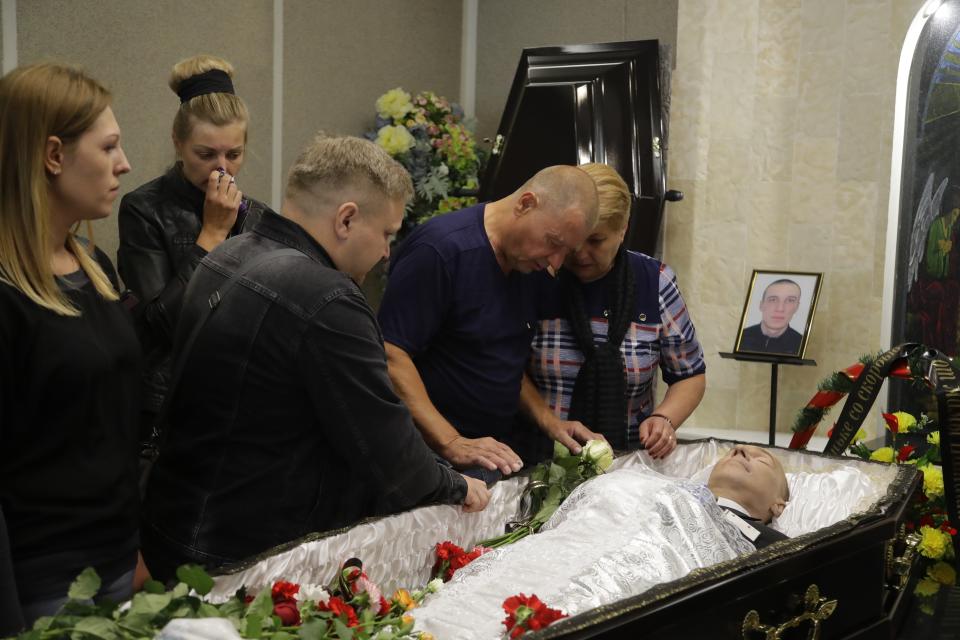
<point x="506" y="27"/>
<point x="339" y="56"/>
<point x="781" y="140"/>
<point x="131" y="46"/>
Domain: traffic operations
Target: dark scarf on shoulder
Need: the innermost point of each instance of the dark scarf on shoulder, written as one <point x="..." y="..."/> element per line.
<point x="599" y="395"/>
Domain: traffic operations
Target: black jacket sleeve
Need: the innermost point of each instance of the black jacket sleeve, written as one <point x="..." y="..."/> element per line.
<point x="147" y="269"/>
<point x="344" y="360"/>
<point x="11" y="617"/>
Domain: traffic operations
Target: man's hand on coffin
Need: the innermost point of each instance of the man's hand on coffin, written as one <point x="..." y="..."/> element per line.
<point x="488" y="453"/>
<point x="477" y="495"/>
<point x="571" y="434"/>
<point x="657" y="436"/>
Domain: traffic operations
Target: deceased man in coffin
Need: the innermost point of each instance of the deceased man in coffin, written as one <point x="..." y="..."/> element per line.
<point x="649" y="533"/>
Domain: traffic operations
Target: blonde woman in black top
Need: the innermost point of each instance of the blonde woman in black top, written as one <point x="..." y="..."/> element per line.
<point x="68" y="352"/>
<point x="170" y="223"/>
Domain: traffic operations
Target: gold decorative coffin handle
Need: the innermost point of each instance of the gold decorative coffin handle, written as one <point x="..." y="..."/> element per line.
<point x="815" y="611"/>
<point x="898" y="569"/>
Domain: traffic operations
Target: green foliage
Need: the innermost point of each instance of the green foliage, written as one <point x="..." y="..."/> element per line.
<point x="808" y="416"/>
<point x="195" y="578"/>
<point x="561" y="475"/>
<point x="85" y="586"/>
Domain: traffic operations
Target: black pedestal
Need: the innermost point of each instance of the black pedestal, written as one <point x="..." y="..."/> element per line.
<point x="775" y="361"/>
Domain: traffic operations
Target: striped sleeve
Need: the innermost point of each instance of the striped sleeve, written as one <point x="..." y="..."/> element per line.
<point x="681" y="355"/>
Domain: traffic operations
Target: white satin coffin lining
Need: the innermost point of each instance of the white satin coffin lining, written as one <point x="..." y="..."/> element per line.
<point x="398" y="550"/>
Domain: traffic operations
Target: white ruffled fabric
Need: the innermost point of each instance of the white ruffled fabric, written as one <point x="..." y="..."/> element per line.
<point x="398" y="551"/>
<point x="615" y="536"/>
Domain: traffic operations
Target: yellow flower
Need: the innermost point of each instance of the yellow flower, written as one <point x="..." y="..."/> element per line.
<point x="927" y="587"/>
<point x="394" y="104"/>
<point x="407" y="619"/>
<point x="932" y="481"/>
<point x="883" y="454"/>
<point x="425" y="636"/>
<point x="394" y="140"/>
<point x="905" y="421"/>
<point x="861" y="436"/>
<point x="933" y="542"/>
<point x="943" y="573"/>
<point x="404" y="599"/>
<point x="934" y="438"/>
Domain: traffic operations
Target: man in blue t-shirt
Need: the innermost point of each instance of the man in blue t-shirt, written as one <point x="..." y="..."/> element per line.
<point x="457" y="316"/>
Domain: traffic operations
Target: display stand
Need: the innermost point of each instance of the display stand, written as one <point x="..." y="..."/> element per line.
<point x="775" y="361"/>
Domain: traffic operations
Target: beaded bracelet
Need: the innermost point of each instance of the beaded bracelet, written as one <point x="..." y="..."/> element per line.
<point x="660" y="415"/>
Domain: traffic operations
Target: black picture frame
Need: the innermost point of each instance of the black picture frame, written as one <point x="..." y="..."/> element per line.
<point x="752" y="335"/>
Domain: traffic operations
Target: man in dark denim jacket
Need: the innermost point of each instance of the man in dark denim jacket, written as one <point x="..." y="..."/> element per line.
<point x="284" y="421"/>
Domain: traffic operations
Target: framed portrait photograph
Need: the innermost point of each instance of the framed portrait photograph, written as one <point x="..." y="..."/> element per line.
<point x="778" y="313"/>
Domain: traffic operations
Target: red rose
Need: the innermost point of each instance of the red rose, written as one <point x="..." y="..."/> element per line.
<point x="287" y="612"/>
<point x="384" y="607"/>
<point x="284" y="591"/>
<point x="339" y="608"/>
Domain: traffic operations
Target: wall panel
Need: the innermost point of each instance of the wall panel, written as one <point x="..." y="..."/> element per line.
<point x="131" y="46"/>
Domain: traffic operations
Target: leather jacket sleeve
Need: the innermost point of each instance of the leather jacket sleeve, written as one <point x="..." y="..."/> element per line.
<point x="343" y="358"/>
<point x="147" y="269"/>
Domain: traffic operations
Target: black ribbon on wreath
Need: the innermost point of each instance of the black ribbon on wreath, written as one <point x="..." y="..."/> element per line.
<point x="939" y="374"/>
<point x="863" y="394"/>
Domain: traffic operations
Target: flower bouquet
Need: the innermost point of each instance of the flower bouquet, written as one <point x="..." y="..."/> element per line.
<point x="428" y="135"/>
<point x="351" y="606"/>
<point x="927" y="514"/>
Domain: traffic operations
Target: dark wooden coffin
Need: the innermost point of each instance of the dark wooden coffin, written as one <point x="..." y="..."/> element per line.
<point x="851" y="579"/>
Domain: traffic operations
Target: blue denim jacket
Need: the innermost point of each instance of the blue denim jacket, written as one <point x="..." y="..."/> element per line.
<point x="284" y="421"/>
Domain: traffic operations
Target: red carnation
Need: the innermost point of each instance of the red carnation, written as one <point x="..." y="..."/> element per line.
<point x="284" y="591"/>
<point x="287" y="612"/>
<point x="451" y="558"/>
<point x="528" y="614"/>
<point x="339" y="608"/>
<point x="446" y="550"/>
<point x="905" y="452"/>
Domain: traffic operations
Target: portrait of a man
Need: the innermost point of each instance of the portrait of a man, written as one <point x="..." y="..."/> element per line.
<point x="784" y="303"/>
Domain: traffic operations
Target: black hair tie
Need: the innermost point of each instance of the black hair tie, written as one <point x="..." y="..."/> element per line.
<point x="212" y="81"/>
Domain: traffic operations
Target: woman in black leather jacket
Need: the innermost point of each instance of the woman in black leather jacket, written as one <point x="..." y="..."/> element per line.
<point x="170" y="223"/>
